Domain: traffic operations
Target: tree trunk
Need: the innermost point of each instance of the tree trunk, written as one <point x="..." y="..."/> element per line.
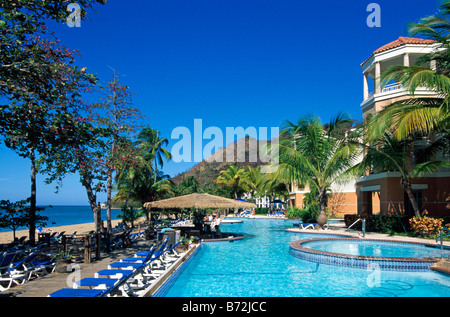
<point x="32" y="215"/>
<point x="156" y="171"/>
<point x="406" y="185"/>
<point x="86" y="182"/>
<point x="322" y="217"/>
<point x="129" y="192"/>
<point x="109" y="203"/>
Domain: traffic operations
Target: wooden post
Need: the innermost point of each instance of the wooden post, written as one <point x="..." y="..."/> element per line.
<point x="64" y="243"/>
<point x="87" y="249"/>
<point x="97" y="246"/>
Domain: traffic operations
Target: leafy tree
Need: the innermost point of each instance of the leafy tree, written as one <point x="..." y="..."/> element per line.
<point x="30" y="74"/>
<point x="17" y="214"/>
<point x="82" y="151"/>
<point x="32" y="126"/>
<point x="117" y="115"/>
<point x="23" y="70"/>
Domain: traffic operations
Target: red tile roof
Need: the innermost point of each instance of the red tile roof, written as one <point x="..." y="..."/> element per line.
<point x="402" y="40"/>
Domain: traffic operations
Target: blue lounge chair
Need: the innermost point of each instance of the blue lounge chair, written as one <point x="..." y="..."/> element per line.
<point x="78" y="292"/>
<point x="97" y="282"/>
<point x="116" y="274"/>
<point x="160" y="249"/>
<point x="137" y="262"/>
<point x="30" y="266"/>
<point x="171" y="253"/>
<point x="7" y="274"/>
<point x="133" y="263"/>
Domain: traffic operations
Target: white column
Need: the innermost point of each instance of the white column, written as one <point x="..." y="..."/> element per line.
<point x="366" y="86"/>
<point x="377" y="77"/>
<point x="406" y="60"/>
<point x="433" y="65"/>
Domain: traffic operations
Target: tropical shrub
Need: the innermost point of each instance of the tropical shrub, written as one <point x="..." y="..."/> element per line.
<point x="380" y="223"/>
<point x="426" y="226"/>
<point x="262" y="210"/>
<point x="293" y="213"/>
<point x="130" y="215"/>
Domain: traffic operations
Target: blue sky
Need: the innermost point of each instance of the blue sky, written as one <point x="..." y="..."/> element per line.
<point x="231" y="63"/>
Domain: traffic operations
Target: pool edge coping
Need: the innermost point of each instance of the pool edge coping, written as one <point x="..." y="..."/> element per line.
<point x="296" y="245"/>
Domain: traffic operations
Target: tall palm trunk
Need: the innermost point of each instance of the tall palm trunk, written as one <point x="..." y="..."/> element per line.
<point x="406" y="185"/>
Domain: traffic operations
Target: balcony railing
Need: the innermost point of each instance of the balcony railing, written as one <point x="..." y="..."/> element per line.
<point x="392" y="87"/>
<point x="387" y="88"/>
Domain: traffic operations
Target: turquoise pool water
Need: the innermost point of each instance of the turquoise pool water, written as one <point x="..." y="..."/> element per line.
<point x="377" y="249"/>
<point x="261" y="266"/>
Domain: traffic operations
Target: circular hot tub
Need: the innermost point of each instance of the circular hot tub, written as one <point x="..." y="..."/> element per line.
<point x="362" y="253"/>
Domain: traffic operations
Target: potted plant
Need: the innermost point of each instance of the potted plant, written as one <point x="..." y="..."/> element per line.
<point x="63" y="260"/>
<point x="183" y="246"/>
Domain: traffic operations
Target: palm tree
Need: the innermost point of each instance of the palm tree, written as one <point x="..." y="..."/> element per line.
<point x="396" y="127"/>
<point x="153" y="145"/>
<point x="132" y="168"/>
<point x="424" y="115"/>
<point x="274" y="187"/>
<point x="389" y="154"/>
<point x="232" y="179"/>
<point x="310" y="154"/>
<point x="255" y="181"/>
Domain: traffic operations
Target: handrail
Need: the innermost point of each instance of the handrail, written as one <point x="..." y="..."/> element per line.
<point x="363" y="225"/>
<point x="442" y="235"/>
<point x="354" y="223"/>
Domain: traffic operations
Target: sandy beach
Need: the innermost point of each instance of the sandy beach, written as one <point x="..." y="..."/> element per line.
<point x="6" y="237"/>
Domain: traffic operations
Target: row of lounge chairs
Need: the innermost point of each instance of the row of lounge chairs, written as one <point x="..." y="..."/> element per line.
<point x="18" y="267"/>
<point x="245" y="213"/>
<point x="277" y="213"/>
<point x="129" y="277"/>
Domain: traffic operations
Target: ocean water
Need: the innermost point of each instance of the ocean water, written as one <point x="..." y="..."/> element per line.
<point x="70" y="215"/>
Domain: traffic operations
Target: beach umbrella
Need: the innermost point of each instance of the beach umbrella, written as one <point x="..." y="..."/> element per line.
<point x="198" y="201"/>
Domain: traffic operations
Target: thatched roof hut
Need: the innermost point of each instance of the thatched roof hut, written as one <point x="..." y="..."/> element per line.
<point x="198" y="201"/>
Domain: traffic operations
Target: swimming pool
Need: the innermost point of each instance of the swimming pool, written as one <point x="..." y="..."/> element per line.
<point x="260" y="266"/>
<point x="377" y="248"/>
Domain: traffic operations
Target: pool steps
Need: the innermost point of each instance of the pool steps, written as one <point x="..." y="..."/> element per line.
<point x="442" y="266"/>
